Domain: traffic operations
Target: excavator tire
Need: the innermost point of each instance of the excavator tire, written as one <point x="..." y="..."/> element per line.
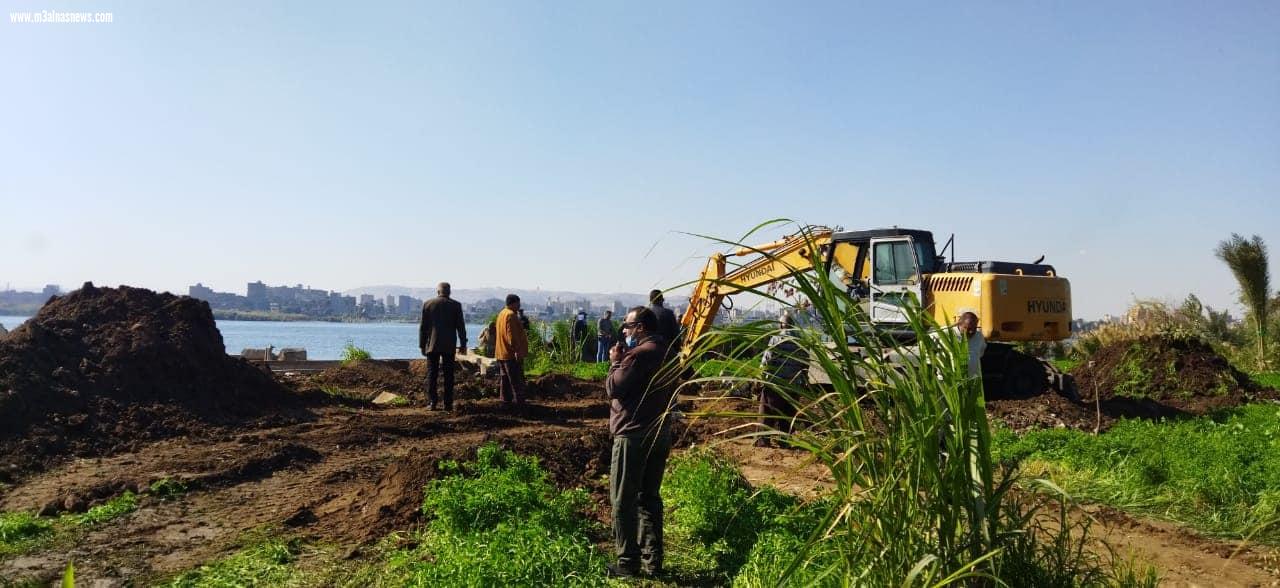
<point x="1009" y="373"/>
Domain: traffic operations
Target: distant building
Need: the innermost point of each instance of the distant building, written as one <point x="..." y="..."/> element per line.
<point x="200" y="291"/>
<point x="256" y="292"/>
<point x="51" y="290"/>
<point x="366" y="300"/>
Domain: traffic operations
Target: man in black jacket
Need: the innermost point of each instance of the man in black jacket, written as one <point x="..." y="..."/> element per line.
<point x="668" y="326"/>
<point x="640" y="394"/>
<point x="441" y="322"/>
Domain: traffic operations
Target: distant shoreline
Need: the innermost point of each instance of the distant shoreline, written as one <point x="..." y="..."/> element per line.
<point x="242" y="315"/>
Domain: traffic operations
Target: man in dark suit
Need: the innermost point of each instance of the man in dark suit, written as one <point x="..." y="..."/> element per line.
<point x="441" y="322"/>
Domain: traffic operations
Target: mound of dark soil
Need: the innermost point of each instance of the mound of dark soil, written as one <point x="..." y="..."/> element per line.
<point x="1151" y="377"/>
<point x="1163" y="369"/>
<point x="100" y="369"/>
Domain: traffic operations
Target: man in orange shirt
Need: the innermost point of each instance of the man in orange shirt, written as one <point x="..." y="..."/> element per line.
<point x="510" y="348"/>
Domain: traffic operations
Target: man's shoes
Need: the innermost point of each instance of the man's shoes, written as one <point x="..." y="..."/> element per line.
<point x="651" y="571"/>
<point x="433" y="406"/>
<point x="614" y="570"/>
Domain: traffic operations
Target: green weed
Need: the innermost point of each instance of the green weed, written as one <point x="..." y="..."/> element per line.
<point x="1219" y="474"/>
<point x="496" y="521"/>
<point x="20" y="531"/>
<point x="265" y="563"/>
<point x="167" y="489"/>
<point x="715" y="515"/>
<point x="352" y="354"/>
<point x="108" y="511"/>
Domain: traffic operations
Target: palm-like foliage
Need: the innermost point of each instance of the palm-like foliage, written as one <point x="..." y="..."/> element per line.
<point x="1247" y="259"/>
<point x="917" y="498"/>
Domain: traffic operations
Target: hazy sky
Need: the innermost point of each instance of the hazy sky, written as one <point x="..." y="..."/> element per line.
<point x="569" y="145"/>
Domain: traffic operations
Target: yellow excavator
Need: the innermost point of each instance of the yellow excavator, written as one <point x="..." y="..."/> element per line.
<point x="883" y="268"/>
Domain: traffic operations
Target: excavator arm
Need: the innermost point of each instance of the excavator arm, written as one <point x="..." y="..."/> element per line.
<point x="777" y="260"/>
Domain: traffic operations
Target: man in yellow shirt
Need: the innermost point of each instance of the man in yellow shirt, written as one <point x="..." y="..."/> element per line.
<point x="510" y="349"/>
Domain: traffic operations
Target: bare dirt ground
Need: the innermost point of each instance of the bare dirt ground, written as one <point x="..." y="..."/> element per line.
<point x="354" y="472"/>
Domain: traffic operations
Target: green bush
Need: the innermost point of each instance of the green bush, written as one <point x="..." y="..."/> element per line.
<point x="500" y="486"/>
<point x="715" y="515"/>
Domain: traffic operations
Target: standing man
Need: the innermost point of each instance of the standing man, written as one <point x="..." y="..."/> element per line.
<point x="580" y="335"/>
<point x="785" y="365"/>
<point x="640" y="394"/>
<point x="668" y="326"/>
<point x="441" y="322"/>
<point x="510" y="348"/>
<point x="968" y="331"/>
<point x="604" y="336"/>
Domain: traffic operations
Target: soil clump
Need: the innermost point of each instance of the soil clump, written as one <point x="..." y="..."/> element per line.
<point x="101" y="369"/>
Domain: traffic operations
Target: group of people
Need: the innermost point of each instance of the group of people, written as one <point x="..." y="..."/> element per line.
<point x="640" y="390"/>
<point x="641" y="387"/>
<point x="442" y="324"/>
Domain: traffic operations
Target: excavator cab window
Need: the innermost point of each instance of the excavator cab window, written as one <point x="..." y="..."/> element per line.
<point x="895" y="263"/>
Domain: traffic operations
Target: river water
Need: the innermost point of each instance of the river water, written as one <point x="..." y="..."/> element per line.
<point x="322" y="340"/>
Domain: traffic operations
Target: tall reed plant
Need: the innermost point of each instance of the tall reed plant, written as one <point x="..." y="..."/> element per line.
<point x="917" y="497"/>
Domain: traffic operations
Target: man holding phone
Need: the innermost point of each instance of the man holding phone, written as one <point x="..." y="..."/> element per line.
<point x="641" y="391"/>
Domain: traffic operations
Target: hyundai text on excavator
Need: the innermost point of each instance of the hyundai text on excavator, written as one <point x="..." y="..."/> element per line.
<point x="882" y="268"/>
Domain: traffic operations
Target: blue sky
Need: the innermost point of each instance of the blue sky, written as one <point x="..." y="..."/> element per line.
<point x="571" y="145"/>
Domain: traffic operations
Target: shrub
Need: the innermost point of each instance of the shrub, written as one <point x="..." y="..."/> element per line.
<point x="353" y="355"/>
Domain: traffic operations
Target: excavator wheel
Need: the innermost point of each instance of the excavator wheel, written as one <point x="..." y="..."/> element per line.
<point x="1009" y="373"/>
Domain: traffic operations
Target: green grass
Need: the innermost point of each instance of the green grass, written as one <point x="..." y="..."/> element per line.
<point x="20" y="531"/>
<point x="266" y="562"/>
<point x="583" y="370"/>
<point x="1219" y="474"/>
<point x="108" y="511"/>
<point x="1065" y="365"/>
<point x="1268" y="380"/>
<point x="496" y="521"/>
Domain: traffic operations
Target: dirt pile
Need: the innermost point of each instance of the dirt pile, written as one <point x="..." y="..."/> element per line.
<point x="1150" y="377"/>
<point x="101" y="369"/>
<point x="1164" y="369"/>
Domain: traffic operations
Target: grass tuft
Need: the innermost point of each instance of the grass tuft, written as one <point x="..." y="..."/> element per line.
<point x="20" y="531"/>
<point x="111" y="510"/>
<point x="352" y="355"/>
<point x="265" y="563"/>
